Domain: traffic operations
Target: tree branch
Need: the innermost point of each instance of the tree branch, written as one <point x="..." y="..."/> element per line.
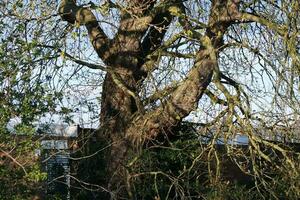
<point x="162" y="18"/>
<point x="214" y="98"/>
<point x="180" y="103"/>
<point x="72" y="13"/>
<point x="186" y="96"/>
<point x="160" y="94"/>
<point x="14" y="160"/>
<point x="248" y="17"/>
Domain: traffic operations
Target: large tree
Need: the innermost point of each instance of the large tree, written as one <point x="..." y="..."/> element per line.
<point x="230" y="66"/>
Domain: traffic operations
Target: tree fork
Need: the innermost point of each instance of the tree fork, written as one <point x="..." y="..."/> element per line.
<point x="126" y="52"/>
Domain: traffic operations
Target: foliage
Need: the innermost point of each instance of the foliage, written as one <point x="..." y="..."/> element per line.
<point x="20" y="170"/>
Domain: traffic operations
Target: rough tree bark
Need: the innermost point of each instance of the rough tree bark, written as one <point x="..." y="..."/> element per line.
<point x="124" y="119"/>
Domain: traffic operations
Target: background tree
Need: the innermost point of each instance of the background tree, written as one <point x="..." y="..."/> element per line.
<point x="160" y="68"/>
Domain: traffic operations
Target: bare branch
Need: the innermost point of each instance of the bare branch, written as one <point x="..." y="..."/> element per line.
<point x="14" y="160"/>
<point x="282" y="30"/>
<point x="72" y="13"/>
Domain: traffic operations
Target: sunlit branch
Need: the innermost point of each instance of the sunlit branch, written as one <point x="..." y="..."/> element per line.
<point x="282" y="30"/>
<point x="214" y="98"/>
<point x="72" y="13"/>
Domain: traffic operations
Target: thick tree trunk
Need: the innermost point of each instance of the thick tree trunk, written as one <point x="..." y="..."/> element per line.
<point x="123" y="119"/>
<point x="117" y="109"/>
